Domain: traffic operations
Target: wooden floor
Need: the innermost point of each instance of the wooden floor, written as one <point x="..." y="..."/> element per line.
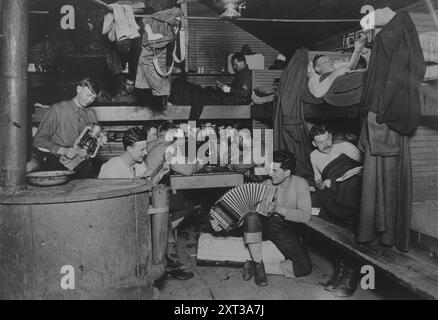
<point x="219" y="283"/>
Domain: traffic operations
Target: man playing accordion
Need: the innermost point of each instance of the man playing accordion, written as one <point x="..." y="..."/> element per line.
<point x="290" y="208"/>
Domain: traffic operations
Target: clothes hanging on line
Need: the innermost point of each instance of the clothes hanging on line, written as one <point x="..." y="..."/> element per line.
<point x="120" y="25"/>
<point x="161" y="30"/>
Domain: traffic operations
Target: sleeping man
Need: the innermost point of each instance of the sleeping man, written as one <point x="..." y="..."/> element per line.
<point x="337" y="169"/>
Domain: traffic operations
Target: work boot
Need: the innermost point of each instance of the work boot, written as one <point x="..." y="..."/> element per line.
<point x="348" y="284"/>
<point x="337" y="276"/>
<point x="248" y="270"/>
<point x="260" y="275"/>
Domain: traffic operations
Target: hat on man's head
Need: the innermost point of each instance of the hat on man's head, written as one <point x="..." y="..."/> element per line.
<point x="246" y="50"/>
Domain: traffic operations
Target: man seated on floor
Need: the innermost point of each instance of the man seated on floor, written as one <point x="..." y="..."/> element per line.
<point x="324" y="71"/>
<point x="124" y="95"/>
<point x="131" y="164"/>
<point x="239" y="92"/>
<point x="291" y="208"/>
<point x="337" y="169"/>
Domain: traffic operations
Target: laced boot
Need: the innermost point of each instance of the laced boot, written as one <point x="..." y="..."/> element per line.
<point x="248" y="270"/>
<point x="336" y="277"/>
<point x="348" y="284"/>
<point x="260" y="275"/>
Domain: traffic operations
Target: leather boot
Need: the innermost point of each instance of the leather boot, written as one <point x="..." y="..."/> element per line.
<point x="336" y="277"/>
<point x="248" y="270"/>
<point x="260" y="275"/>
<point x="348" y="284"/>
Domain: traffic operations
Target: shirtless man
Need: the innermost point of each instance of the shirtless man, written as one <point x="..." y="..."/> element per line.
<point x="337" y="171"/>
<point x="291" y="207"/>
<point x="325" y="71"/>
<point x="131" y="164"/>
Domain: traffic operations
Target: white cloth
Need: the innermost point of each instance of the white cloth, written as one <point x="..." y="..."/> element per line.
<point x="120" y="25"/>
<point x="115" y="168"/>
<point x="379" y="18"/>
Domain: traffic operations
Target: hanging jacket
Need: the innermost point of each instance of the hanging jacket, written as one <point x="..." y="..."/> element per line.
<point x="396" y="69"/>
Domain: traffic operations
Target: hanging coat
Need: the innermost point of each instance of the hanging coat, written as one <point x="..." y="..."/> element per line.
<point x="391" y="95"/>
<point x="290" y="130"/>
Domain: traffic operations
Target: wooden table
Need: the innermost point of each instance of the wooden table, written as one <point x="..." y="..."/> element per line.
<point x="205" y="180"/>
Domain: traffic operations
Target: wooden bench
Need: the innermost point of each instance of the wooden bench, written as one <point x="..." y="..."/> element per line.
<point x="412" y="270"/>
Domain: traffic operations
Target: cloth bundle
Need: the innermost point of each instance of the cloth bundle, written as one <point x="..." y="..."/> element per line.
<point x="161" y="29"/>
<point x="120" y="25"/>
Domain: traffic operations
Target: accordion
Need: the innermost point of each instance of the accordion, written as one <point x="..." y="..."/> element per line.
<point x="229" y="210"/>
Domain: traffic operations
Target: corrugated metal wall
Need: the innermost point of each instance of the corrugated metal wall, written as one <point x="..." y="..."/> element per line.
<point x="210" y="41"/>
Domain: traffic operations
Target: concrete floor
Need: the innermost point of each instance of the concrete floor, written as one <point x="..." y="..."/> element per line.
<point x="220" y="283"/>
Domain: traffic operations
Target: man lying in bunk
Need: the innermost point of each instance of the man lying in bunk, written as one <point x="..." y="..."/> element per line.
<point x="239" y="92"/>
<point x="291" y="207"/>
<point x="124" y="95"/>
<point x="337" y="168"/>
<point x="325" y="71"/>
<point x="131" y="164"/>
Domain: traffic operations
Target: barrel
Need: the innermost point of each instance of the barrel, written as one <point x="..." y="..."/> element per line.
<point x="87" y="239"/>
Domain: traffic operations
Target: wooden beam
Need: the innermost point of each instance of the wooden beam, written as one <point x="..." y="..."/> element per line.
<point x="137" y="113"/>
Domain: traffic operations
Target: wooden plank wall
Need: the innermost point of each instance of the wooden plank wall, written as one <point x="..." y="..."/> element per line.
<point x="424" y="151"/>
<point x="209" y="48"/>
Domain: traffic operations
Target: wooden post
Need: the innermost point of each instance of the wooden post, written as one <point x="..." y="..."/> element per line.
<point x="160" y="221"/>
<point x="13" y="94"/>
<point x="186" y="28"/>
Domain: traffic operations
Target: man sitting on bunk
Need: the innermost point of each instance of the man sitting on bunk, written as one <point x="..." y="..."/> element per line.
<point x="239" y="92"/>
<point x="337" y="169"/>
<point x="131" y="164"/>
<point x="326" y="71"/>
<point x="291" y="207"/>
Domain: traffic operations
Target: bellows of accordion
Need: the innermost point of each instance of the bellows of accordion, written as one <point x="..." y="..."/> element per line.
<point x="228" y="211"/>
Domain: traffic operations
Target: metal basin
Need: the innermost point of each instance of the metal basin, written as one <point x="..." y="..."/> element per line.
<point x="49" y="178"/>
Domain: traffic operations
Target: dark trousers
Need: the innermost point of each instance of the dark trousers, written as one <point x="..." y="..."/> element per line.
<point x="186" y="93"/>
<point x="285" y="235"/>
<point x="180" y="209"/>
<point x="49" y="162"/>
